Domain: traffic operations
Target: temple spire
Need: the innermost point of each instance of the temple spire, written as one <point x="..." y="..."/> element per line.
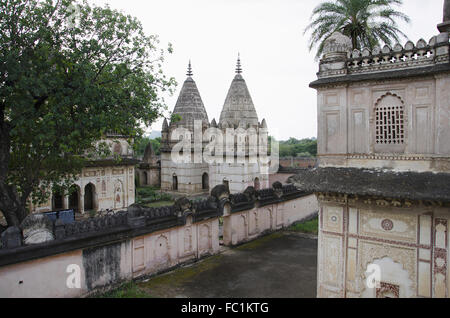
<point x="238" y="66"/>
<point x="445" y="25"/>
<point x="189" y="72"/>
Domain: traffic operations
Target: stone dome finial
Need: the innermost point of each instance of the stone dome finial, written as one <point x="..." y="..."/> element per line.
<point x="337" y="43"/>
<point x="189" y="72"/>
<point x="238" y="66"/>
<point x="264" y="123"/>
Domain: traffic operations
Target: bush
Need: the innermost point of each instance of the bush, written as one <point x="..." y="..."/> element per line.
<point x="149" y="195"/>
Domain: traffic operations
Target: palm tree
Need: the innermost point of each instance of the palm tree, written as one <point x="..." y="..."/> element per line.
<point x="366" y="22"/>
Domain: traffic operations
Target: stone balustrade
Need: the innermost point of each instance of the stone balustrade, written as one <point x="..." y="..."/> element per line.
<point x="386" y="58"/>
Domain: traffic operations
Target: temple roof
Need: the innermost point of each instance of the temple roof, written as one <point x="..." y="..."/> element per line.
<point x="238" y="105"/>
<point x="149" y="154"/>
<point x="190" y="105"/>
<point x="427" y="186"/>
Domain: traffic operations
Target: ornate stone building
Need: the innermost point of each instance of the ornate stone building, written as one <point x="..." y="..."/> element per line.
<point x="149" y="170"/>
<point x="103" y="184"/>
<point x="238" y="113"/>
<point x="383" y="181"/>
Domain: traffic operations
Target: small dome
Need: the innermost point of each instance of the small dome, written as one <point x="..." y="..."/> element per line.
<point x="337" y="43"/>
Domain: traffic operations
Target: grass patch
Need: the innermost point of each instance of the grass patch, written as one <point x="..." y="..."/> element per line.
<point x="260" y="241"/>
<point x="128" y="290"/>
<point x="310" y="227"/>
<point x="149" y="195"/>
<point x="159" y="204"/>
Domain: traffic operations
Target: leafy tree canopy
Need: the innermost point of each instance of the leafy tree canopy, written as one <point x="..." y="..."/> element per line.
<point x="366" y="22"/>
<point x="298" y="148"/>
<point x="69" y="73"/>
<point x="142" y="142"/>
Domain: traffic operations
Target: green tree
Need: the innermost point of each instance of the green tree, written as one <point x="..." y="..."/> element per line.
<point x="141" y="144"/>
<point x="366" y="22"/>
<point x="69" y="73"/>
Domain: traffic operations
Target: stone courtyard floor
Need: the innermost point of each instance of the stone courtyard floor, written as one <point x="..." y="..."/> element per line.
<point x="281" y="265"/>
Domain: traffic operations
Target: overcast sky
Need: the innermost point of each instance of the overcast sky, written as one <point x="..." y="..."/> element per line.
<point x="277" y="65"/>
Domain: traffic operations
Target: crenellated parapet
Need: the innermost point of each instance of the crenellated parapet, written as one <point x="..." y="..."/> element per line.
<point x="339" y="59"/>
<point x="251" y="198"/>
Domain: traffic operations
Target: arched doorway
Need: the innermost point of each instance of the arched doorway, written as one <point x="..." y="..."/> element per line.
<point x="175" y="183"/>
<point x="257" y="184"/>
<point x="145" y="178"/>
<point x="74" y="198"/>
<point x="57" y="201"/>
<point x="205" y="181"/>
<point x="89" y="197"/>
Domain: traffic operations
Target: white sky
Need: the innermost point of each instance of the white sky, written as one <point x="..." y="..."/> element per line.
<point x="269" y="35"/>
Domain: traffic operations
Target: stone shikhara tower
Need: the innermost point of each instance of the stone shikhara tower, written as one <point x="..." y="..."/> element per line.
<point x="238" y="114"/>
<point x="186" y="178"/>
<point x="384" y="178"/>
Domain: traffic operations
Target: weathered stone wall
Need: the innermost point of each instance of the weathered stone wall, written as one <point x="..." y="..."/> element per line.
<point x="383" y="113"/>
<point x="113" y="188"/>
<point x="247" y="225"/>
<point x="189" y="175"/>
<point x="409" y="243"/>
<point x="142" y="241"/>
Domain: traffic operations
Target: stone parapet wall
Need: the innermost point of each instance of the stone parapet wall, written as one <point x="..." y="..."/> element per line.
<point x="409" y="244"/>
<point x="421" y="54"/>
<point x="106" y="251"/>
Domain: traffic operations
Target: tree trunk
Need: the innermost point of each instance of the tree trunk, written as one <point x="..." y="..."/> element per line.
<point x="13" y="208"/>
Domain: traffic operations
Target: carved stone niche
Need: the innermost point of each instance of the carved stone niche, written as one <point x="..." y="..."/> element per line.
<point x="37" y="229"/>
<point x="12" y="237"/>
<point x="220" y="192"/>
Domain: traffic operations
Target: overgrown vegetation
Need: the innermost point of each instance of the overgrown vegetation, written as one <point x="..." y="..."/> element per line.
<point x="70" y="72"/>
<point x="149" y="196"/>
<point x="127" y="290"/>
<point x="310" y="227"/>
<point x="298" y="148"/>
<point x="366" y="22"/>
<point x="142" y="142"/>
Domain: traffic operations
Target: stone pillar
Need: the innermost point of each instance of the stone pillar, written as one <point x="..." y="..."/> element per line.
<point x="81" y="203"/>
<point x="66" y="202"/>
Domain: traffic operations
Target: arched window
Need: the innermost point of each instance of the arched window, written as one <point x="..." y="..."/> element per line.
<point x="57" y="202"/>
<point x="144" y="178"/>
<point x="205" y="181"/>
<point x="89" y="197"/>
<point x="390" y="124"/>
<point x="74" y="198"/>
<point x="175" y="183"/>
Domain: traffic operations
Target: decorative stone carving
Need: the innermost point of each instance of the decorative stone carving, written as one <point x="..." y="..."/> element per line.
<point x="337" y="43"/>
<point x="37" y="229"/>
<point x="220" y="192"/>
<point x="387" y="225"/>
<point x="12" y="237"/>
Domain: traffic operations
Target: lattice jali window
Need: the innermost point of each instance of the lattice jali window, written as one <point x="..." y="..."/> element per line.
<point x="390" y="123"/>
